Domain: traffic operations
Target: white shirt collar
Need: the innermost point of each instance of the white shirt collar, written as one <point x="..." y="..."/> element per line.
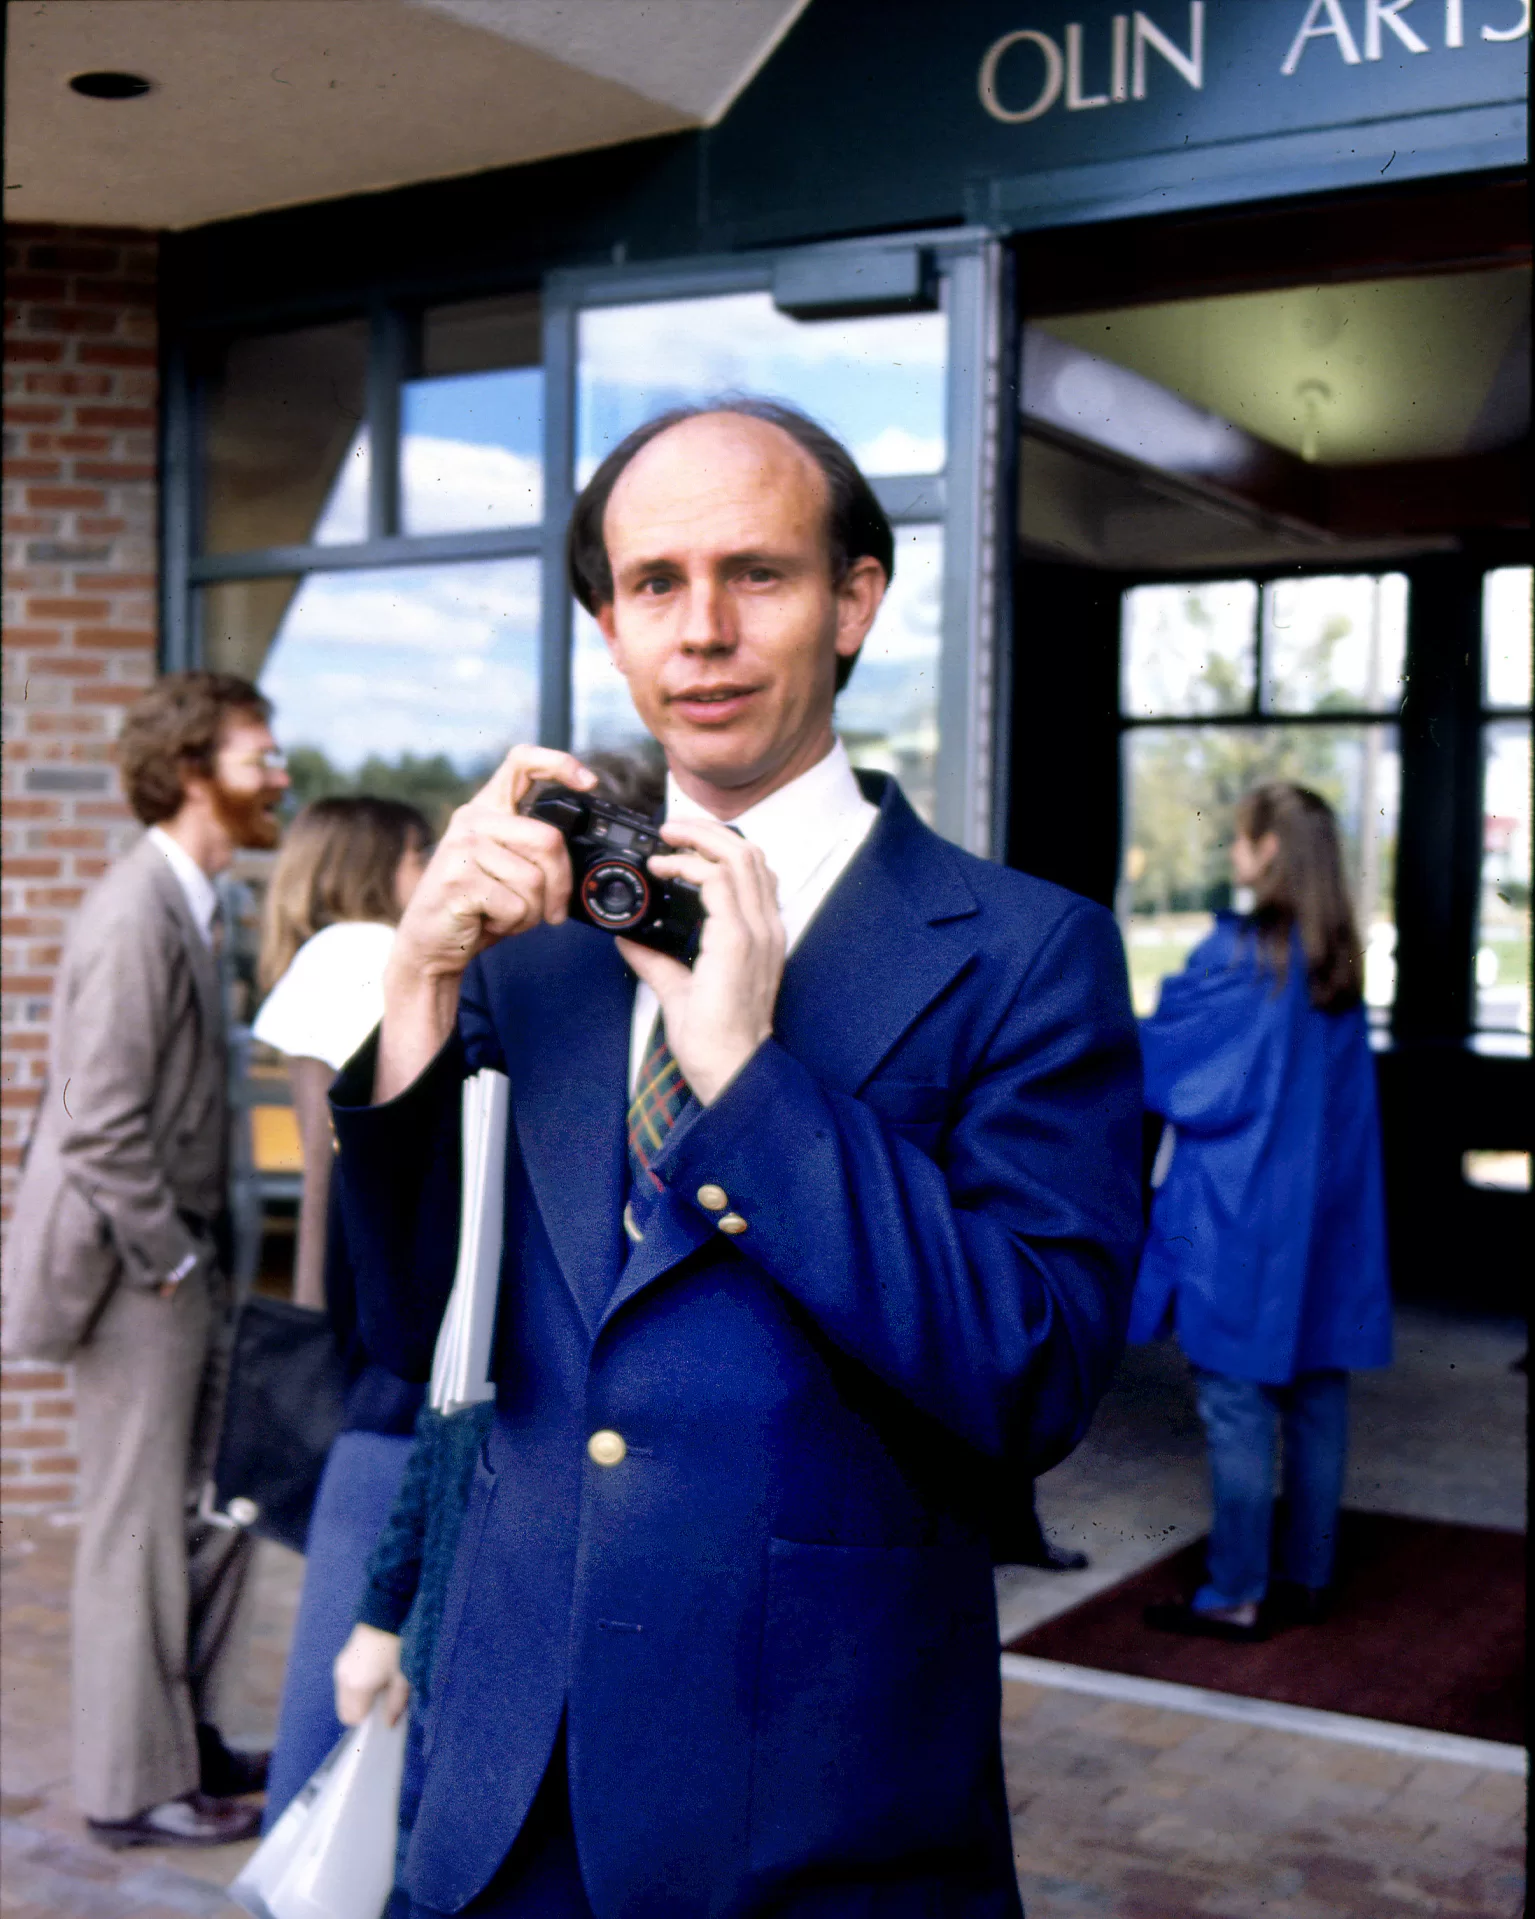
<point x="800" y="826"/>
<point x="198" y="890"/>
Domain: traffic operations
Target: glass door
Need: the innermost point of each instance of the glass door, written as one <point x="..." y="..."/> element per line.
<point x="891" y="347"/>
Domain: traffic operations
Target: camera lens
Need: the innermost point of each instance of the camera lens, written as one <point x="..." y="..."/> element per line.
<point x="615" y="895"/>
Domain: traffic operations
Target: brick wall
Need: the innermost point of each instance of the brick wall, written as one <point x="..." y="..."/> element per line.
<point x="79" y="645"/>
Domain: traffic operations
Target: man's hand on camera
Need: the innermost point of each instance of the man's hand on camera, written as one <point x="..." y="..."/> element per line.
<point x="721" y="1011"/>
<point x="494" y="874"/>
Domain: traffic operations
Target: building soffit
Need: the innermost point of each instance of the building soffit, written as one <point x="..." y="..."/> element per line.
<point x="290" y="101"/>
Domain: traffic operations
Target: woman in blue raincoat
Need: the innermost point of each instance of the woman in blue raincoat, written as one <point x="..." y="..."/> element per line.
<point x="1266" y="1254"/>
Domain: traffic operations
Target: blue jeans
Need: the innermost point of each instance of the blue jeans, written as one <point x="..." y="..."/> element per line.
<point x="357" y="1489"/>
<point x="1242" y="1421"/>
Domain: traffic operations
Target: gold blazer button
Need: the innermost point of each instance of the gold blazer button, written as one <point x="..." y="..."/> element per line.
<point x="732" y="1223"/>
<point x="713" y="1199"/>
<point x="607" y="1448"/>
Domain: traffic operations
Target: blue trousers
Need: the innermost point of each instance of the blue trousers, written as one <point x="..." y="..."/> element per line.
<point x="1243" y="1421"/>
<point x="357" y="1490"/>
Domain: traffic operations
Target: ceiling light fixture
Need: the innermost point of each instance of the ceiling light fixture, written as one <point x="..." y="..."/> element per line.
<point x="1314" y="396"/>
<point x="111" y="86"/>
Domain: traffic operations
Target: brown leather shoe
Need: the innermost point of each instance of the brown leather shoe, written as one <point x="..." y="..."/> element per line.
<point x="193" y="1820"/>
<point x="224" y="1772"/>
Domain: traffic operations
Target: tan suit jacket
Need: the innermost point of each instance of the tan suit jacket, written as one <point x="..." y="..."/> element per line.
<point x="130" y="1148"/>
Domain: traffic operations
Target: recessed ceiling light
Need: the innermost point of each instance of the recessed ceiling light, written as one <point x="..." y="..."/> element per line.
<point x="111" y="86"/>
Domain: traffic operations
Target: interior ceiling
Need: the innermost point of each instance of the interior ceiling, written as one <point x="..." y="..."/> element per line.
<point x="1388" y="371"/>
<point x="1075" y="507"/>
<point x="269" y="104"/>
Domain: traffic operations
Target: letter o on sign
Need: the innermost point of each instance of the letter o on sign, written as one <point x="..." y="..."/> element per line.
<point x="1048" y="94"/>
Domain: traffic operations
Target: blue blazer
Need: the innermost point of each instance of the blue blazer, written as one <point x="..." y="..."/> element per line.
<point x="1267" y="1248"/>
<point x="771" y="1628"/>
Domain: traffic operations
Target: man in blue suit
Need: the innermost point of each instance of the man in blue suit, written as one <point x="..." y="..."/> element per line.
<point x="807" y="1259"/>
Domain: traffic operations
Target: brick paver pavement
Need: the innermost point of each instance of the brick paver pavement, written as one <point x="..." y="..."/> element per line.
<point x="1119" y="1812"/>
<point x="1131" y="1812"/>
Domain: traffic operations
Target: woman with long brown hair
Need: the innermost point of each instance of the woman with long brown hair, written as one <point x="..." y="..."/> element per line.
<point x="1266" y="1254"/>
<point x="345" y="873"/>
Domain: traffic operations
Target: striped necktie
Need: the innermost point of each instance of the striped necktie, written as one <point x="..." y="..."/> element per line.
<point x="660" y="1098"/>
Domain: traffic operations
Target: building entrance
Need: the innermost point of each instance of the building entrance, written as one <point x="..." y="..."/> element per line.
<point x="1277" y="500"/>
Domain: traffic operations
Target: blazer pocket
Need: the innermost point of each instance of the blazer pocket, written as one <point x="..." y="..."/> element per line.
<point x="53" y="1308"/>
<point x="875" y="1737"/>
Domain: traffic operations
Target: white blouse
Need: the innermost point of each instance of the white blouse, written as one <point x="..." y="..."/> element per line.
<point x="332" y="995"/>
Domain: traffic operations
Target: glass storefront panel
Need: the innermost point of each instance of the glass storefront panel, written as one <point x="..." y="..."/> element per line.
<point x="1507" y="615"/>
<point x="1188" y="650"/>
<point x="471" y="449"/>
<point x="410" y="681"/>
<point x="878" y="384"/>
<point x="1503" y="933"/>
<point x="1181" y="788"/>
<point x="286" y="447"/>
<point x="888" y="713"/>
<point x="1335" y="642"/>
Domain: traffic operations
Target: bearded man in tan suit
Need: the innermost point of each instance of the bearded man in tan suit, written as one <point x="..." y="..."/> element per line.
<point x="113" y="1262"/>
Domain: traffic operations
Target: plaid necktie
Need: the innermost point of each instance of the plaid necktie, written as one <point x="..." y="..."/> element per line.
<point x="660" y="1097"/>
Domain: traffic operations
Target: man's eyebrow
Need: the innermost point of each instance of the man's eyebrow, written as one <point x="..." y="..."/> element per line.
<point x="749" y="556"/>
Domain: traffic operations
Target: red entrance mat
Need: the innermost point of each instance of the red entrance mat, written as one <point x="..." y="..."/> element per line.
<point x="1427" y="1630"/>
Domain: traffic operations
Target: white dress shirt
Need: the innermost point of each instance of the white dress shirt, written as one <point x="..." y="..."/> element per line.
<point x="201" y="897"/>
<point x="808" y="831"/>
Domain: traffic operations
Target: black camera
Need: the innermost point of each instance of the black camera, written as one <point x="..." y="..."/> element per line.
<point x="613" y="891"/>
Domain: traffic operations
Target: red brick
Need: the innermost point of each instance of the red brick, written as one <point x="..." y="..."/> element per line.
<point x="70" y="385"/>
<point x="114" y="470"/>
<point x="117" y="293"/>
<point x="109" y="695"/>
<point x="143" y="417"/>
<point x="102" y="355"/>
<point x="72" y="257"/>
<point x="57" y="1463"/>
<point x="40" y="1495"/>
<point x="53" y="1408"/>
<point x="30" y="469"/>
<point x="66" y="496"/>
<point x="64" y="666"/>
<point x="70" y="320"/>
<point x="36" y="286"/>
<point x="33" y="352"/>
<point x="67" y="609"/>
<point x="116" y="637"/>
<point x="37" y="1438"/>
<point x="38" y="413"/>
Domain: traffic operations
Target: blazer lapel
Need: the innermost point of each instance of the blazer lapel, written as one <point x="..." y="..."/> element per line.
<point x="205" y="977"/>
<point x="569" y="1068"/>
<point x="877" y="954"/>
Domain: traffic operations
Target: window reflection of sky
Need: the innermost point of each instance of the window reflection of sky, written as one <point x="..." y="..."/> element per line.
<point x="423" y="660"/>
<point x="878" y="384"/>
<point x="472" y="453"/>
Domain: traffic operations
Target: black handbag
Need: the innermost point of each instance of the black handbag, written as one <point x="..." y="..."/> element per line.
<point x="287" y="1392"/>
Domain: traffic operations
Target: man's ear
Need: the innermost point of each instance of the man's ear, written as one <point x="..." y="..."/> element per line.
<point x="860" y="592"/>
<point x="607" y="627"/>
